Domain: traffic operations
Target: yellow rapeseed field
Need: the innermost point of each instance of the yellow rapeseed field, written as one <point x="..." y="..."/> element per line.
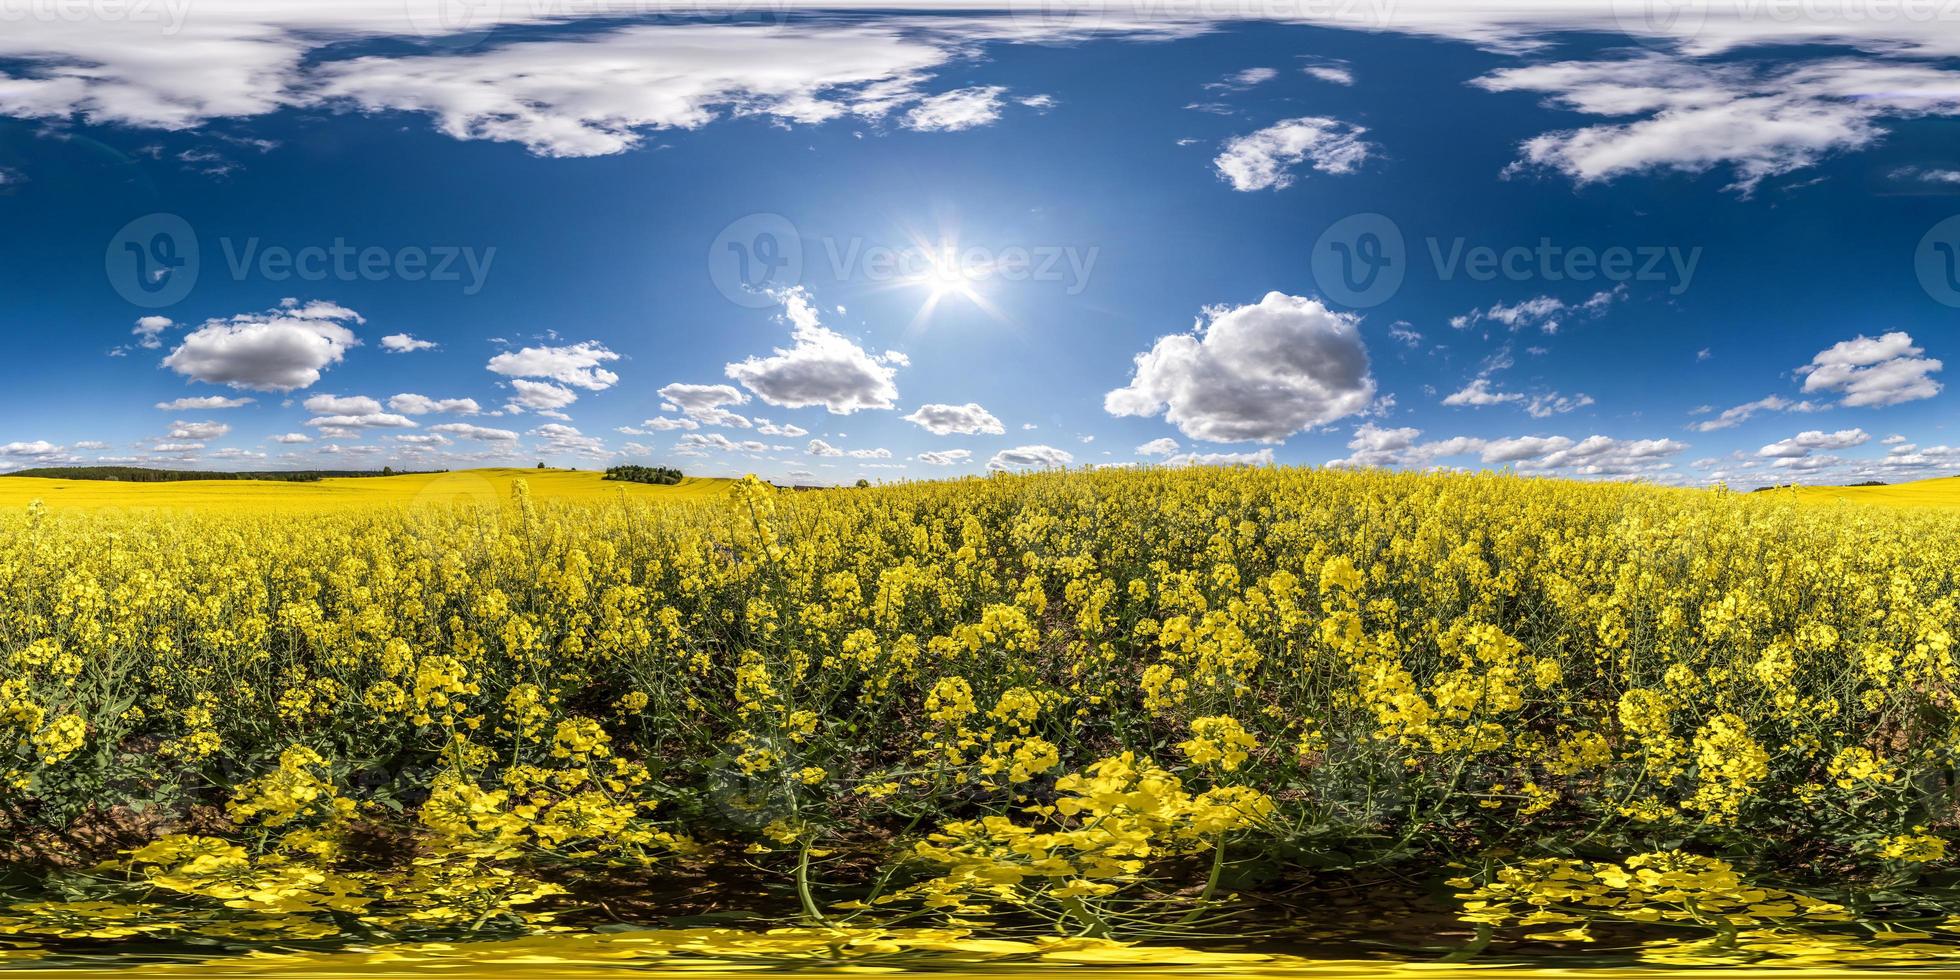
<point x="1071" y="718"/>
<point x="487" y="486"/>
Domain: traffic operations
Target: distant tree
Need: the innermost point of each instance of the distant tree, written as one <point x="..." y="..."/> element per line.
<point x="863" y="483"/>
<point x="665" y="476"/>
<point x="387" y="471"/>
<point x="541" y="464"/>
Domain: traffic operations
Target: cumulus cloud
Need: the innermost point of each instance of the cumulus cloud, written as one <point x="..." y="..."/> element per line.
<point x="577" y="365"/>
<point x="202" y="402"/>
<point x="1553" y="403"/>
<point x="412" y="404"/>
<point x="401" y="343"/>
<point x="342" y="405"/>
<point x="149" y="331"/>
<point x="1674" y="113"/>
<point x="818" y="447"/>
<point x="1158" y="447"/>
<point x="664" y="424"/>
<point x="703" y="403"/>
<point x="1805" y="443"/>
<point x="1547" y="313"/>
<point x="946" y="457"/>
<point x="1030" y="458"/>
<point x="1253" y="373"/>
<point x="554" y="437"/>
<point x="785" y="429"/>
<point x="697" y="444"/>
<point x="542" y="397"/>
<point x="37" y="449"/>
<point x="1732" y="417"/>
<point x="820" y="367"/>
<point x="342" y="424"/>
<point x="279" y="350"/>
<point x="198" y="431"/>
<point x="1267" y="159"/>
<point x="1873" y="372"/>
<point x="1597" y="455"/>
<point x="1261" y="457"/>
<point x="476" y="433"/>
<point x="292" y="438"/>
<point x="946" y="420"/>
<point x="1479" y="393"/>
<point x="956" y="110"/>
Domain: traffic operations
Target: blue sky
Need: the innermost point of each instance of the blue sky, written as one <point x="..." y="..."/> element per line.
<point x="821" y="243"/>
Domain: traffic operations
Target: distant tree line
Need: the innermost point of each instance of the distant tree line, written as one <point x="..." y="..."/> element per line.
<point x="662" y="476"/>
<point x="139" y="474"/>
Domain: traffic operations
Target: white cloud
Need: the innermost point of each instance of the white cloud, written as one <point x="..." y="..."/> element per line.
<point x="542" y="397"/>
<point x="92" y="445"/>
<point x="1694" y="116"/>
<point x="1732" y="417"/>
<point x="1552" y="403"/>
<point x="946" y="457"/>
<point x="956" y="110"/>
<point x="372" y="420"/>
<point x="1873" y="372"/>
<point x="401" y="343"/>
<point x="342" y="405"/>
<point x="1262" y="457"/>
<point x="39" y="448"/>
<point x="1259" y="372"/>
<point x="1547" y="313"/>
<point x="577" y="365"/>
<point x="553" y="437"/>
<point x="703" y="403"/>
<point x="1337" y="73"/>
<point x="1029" y="457"/>
<point x="663" y="424"/>
<point x="696" y="444"/>
<point x="292" y="438"/>
<point x="1158" y="447"/>
<point x="966" y="420"/>
<point x="478" y="433"/>
<point x="149" y="331"/>
<point x="279" y="350"/>
<point x="413" y="404"/>
<point x="1805" y="443"/>
<point x="203" y="402"/>
<point x="1479" y="393"/>
<point x="785" y="430"/>
<point x="1266" y="159"/>
<point x="1598" y="455"/>
<point x="198" y="431"/>
<point x="821" y="367"/>
<point x="818" y="447"/>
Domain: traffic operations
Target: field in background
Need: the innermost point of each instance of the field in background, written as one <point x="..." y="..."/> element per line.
<point x="488" y="486"/>
<point x="1941" y="493"/>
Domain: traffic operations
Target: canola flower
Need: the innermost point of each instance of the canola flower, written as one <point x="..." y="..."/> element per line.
<point x="1118" y="705"/>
